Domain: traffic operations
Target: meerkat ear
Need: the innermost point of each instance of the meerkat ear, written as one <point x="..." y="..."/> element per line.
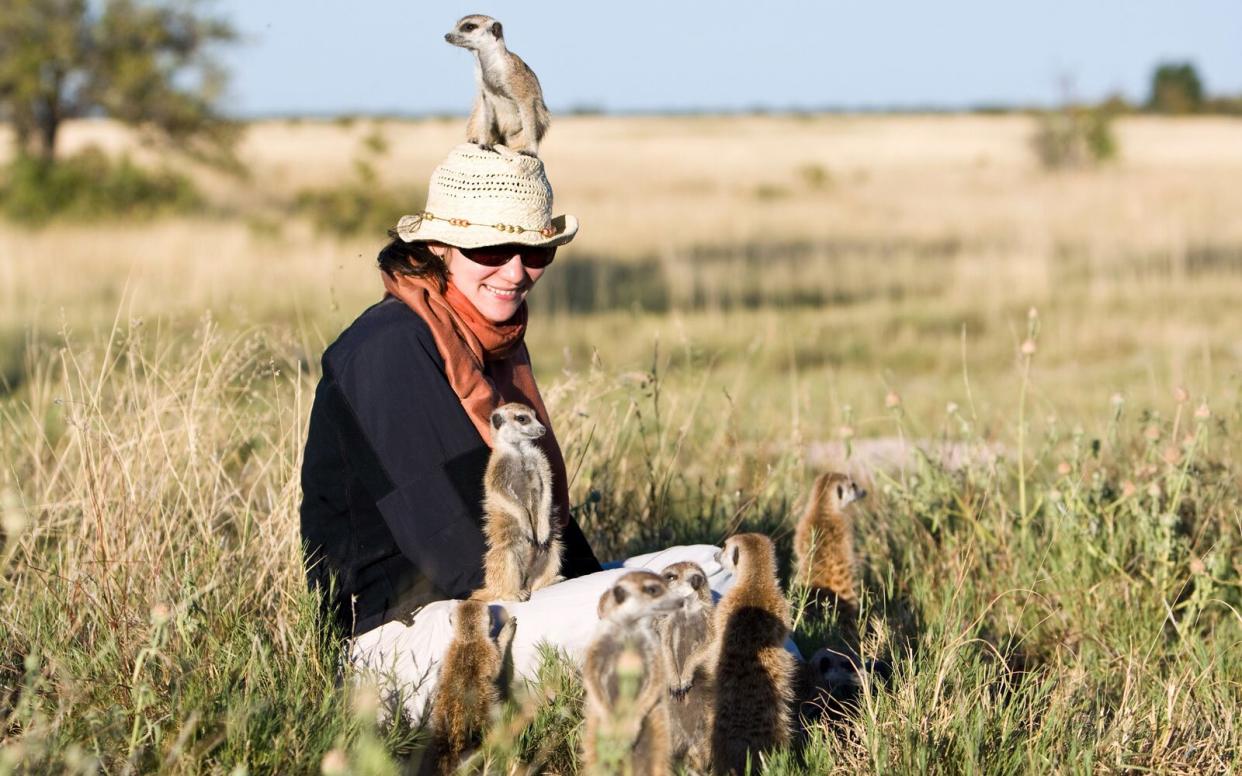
<point x="497" y="420"/>
<point x="737" y="553"/>
<point x="619" y="594"/>
<point x="497" y="30"/>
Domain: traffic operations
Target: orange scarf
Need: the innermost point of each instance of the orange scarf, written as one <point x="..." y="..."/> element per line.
<point x="486" y="363"/>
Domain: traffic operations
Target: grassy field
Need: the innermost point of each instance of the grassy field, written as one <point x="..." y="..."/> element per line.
<point x="1038" y="373"/>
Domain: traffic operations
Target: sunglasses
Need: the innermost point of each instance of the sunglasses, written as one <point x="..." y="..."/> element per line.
<point x="533" y="257"/>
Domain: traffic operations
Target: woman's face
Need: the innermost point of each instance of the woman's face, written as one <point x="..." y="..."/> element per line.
<point x="496" y="292"/>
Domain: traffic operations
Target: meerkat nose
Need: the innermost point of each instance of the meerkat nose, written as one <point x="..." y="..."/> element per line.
<point x="448" y="36"/>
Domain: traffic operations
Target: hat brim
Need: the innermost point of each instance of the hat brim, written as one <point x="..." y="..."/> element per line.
<point x="480" y="236"/>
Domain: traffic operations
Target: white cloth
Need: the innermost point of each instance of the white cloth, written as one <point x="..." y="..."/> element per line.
<point x="405" y="659"/>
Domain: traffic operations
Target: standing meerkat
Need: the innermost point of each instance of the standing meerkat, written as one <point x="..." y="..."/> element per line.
<point x="469" y="685"/>
<point x="686" y="635"/>
<point x="754" y="673"/>
<point x="824" y="546"/>
<point x="624" y="677"/>
<point x="523" y="539"/>
<point x="509" y="108"/>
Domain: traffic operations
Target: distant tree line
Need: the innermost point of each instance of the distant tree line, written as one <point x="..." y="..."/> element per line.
<point x="1176" y="89"/>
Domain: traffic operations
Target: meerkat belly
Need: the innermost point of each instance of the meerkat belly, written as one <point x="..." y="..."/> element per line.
<point x="689" y="633"/>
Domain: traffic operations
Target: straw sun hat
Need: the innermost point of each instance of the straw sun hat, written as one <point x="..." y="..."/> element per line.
<point x="478" y="198"/>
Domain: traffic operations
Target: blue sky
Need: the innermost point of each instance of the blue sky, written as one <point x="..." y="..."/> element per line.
<point x="341" y="56"/>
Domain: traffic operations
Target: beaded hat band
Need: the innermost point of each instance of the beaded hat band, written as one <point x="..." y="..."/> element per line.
<point x="494" y="197"/>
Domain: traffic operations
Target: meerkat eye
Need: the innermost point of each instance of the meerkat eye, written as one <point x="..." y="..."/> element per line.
<point x="696" y="581"/>
<point x="670" y="576"/>
<point x="523" y="419"/>
<point x="652" y="590"/>
<point x="468" y="26"/>
<point x="840" y="492"/>
<point x="619" y="594"/>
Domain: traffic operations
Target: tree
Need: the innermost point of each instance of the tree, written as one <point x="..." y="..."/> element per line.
<point x="147" y="65"/>
<point x="1175" y="88"/>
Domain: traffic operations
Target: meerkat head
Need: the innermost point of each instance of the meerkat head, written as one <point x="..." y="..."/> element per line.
<point x="476" y="32"/>
<point x="743" y="553"/>
<point x="471" y="619"/>
<point x="514" y="424"/>
<point x="835" y="667"/>
<point x="687" y="580"/>
<point x="635" y="596"/>
<point x="836" y="491"/>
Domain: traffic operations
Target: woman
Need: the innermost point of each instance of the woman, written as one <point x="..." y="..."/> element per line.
<point x="399" y="433"/>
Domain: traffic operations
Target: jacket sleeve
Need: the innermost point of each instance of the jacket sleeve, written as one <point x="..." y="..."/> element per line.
<point x="414" y="449"/>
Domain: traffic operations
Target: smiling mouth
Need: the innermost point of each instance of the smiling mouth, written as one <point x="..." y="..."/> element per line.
<point x="506" y="294"/>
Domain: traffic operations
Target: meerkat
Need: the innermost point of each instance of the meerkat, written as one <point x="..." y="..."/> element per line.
<point x="833" y="679"/>
<point x="624" y="677"/>
<point x="509" y="108"/>
<point x="470" y="684"/>
<point x="686" y="635"/>
<point x="824" y="546"/>
<point x="523" y="539"/>
<point x="754" y="673"/>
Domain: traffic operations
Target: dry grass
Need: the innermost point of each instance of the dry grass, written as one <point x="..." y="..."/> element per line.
<point x="1071" y="606"/>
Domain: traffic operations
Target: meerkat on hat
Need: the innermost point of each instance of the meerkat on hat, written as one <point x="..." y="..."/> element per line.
<point x="523" y="539"/>
<point x="509" y="108"/>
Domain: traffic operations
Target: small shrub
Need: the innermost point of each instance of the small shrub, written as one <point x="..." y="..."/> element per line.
<point x="90" y="186"/>
<point x="767" y="192"/>
<point x="1075" y="138"/>
<point x="815" y="176"/>
<point x="376" y="143"/>
<point x="360" y="206"/>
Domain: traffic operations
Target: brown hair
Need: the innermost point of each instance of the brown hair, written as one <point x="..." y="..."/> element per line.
<point x="399" y="257"/>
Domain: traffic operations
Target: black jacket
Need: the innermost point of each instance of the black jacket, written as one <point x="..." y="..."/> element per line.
<point x="392" y="478"/>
